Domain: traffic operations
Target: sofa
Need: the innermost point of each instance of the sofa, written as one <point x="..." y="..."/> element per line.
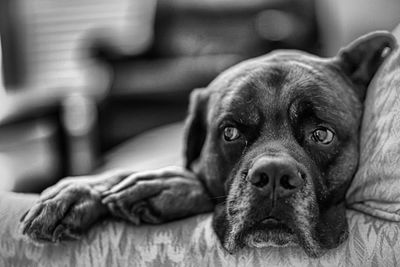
<point x="373" y="202"/>
<point x="189" y="242"/>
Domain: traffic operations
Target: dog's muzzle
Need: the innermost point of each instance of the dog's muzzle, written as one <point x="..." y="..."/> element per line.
<point x="271" y="205"/>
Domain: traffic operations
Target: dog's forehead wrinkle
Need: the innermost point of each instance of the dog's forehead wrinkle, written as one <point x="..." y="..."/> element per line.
<point x="265" y="77"/>
<point x="240" y="104"/>
<point x="279" y="83"/>
<point x="341" y="98"/>
<point x="301" y="81"/>
<point x="325" y="102"/>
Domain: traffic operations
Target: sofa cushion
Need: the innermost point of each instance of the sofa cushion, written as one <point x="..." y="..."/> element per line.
<point x="375" y="189"/>
<point x="153" y="149"/>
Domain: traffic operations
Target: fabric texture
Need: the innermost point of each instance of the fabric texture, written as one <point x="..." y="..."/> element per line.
<point x="375" y="189"/>
<point x="189" y="242"/>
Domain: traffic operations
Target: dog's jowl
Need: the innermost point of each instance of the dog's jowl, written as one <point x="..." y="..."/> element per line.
<point x="271" y="146"/>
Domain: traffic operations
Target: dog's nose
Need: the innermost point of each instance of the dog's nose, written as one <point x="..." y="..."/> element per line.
<point x="278" y="175"/>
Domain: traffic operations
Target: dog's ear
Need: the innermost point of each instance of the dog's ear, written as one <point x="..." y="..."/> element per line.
<point x="195" y="126"/>
<point x="362" y="58"/>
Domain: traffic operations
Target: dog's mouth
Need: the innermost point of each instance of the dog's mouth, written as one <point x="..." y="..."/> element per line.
<point x="270" y="231"/>
<point x="273" y="225"/>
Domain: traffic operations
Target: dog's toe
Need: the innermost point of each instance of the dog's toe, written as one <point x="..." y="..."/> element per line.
<point x="39" y="223"/>
<point x="64" y="216"/>
<point x="65" y="232"/>
<point x="123" y="211"/>
<point x="136" y="212"/>
<point x="29" y="217"/>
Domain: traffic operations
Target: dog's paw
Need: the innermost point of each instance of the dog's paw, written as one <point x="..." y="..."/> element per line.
<point x="157" y="196"/>
<point x="63" y="212"/>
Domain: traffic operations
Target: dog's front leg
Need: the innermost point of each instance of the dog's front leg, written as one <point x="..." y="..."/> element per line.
<point x="158" y="196"/>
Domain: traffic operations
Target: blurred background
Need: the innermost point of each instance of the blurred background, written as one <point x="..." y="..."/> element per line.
<point x="83" y="81"/>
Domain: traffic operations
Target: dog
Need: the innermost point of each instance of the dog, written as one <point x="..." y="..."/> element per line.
<point x="271" y="146"/>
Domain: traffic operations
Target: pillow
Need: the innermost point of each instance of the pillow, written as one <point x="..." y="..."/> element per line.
<point x="375" y="189"/>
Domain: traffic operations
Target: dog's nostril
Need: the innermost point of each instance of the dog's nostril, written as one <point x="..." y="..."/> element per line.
<point x="264" y="179"/>
<point x="289" y="182"/>
<point x="259" y="180"/>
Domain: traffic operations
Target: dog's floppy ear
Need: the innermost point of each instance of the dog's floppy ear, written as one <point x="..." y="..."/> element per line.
<point x="362" y="58"/>
<point x="195" y="126"/>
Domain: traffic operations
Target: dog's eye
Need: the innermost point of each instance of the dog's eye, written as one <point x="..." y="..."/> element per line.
<point x="323" y="136"/>
<point x="231" y="133"/>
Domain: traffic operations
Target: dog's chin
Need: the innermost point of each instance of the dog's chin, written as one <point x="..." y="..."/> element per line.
<point x="261" y="239"/>
<point x="272" y="234"/>
<point x="267" y="233"/>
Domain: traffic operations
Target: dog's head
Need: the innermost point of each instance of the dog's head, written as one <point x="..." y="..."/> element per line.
<point x="275" y="138"/>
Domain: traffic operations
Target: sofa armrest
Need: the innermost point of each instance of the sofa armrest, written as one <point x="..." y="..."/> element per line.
<point x="188" y="242"/>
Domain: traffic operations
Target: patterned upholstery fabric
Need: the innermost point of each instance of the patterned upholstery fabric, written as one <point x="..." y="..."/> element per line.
<point x="376" y="187"/>
<point x="189" y="242"/>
